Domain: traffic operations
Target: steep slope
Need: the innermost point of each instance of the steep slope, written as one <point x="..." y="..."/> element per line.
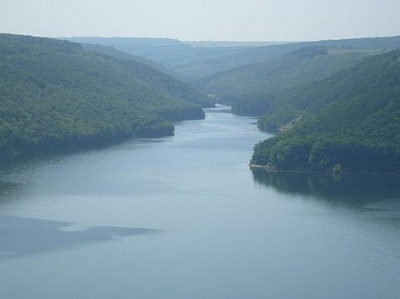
<point x="351" y="123"/>
<point x="54" y="94"/>
<point x="154" y="74"/>
<point x="256" y="89"/>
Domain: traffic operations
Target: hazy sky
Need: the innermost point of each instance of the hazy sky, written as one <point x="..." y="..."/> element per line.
<point x="239" y="20"/>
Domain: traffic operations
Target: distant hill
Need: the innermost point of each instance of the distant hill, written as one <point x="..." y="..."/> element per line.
<point x="198" y="60"/>
<point x="257" y="88"/>
<point x="350" y="122"/>
<point x="55" y="94"/>
<point x="152" y="73"/>
<point x="191" y="60"/>
<point x="111" y="51"/>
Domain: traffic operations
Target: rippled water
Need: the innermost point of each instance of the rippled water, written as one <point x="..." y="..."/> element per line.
<point x="184" y="217"/>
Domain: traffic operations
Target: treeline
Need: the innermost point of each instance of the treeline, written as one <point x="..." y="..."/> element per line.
<point x="350" y="122"/>
<point x="55" y="94"/>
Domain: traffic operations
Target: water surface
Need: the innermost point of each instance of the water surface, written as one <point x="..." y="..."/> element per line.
<point x="184" y="217"/>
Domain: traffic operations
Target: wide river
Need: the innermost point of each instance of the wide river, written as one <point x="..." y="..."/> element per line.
<point x="184" y="217"/>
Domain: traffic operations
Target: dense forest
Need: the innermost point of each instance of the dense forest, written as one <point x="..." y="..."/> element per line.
<point x="349" y="122"/>
<point x="335" y="104"/>
<point x="258" y="88"/>
<point x="56" y="94"/>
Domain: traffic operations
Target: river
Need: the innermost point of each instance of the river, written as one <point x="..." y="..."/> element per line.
<point x="184" y="217"/>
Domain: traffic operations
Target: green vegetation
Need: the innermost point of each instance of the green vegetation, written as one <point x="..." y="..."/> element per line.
<point x="110" y="51"/>
<point x="194" y="61"/>
<point x="55" y="94"/>
<point x="260" y="88"/>
<point x="350" y="122"/>
<point x="336" y="102"/>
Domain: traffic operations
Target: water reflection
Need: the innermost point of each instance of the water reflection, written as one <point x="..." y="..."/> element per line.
<point x="348" y="189"/>
<point x="26" y="236"/>
<point x="9" y="191"/>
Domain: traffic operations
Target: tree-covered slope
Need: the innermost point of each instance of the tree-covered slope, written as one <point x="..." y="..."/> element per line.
<point x="351" y="122"/>
<point x="55" y="94"/>
<point x="154" y="74"/>
<point x="256" y="89"/>
<point x="111" y="51"/>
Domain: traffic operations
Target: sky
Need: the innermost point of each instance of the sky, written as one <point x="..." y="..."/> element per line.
<point x="203" y="20"/>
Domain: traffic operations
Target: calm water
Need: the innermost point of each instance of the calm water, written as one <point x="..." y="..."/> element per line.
<point x="184" y="217"/>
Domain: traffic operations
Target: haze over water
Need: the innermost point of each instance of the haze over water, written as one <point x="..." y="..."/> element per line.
<point x="184" y="217"/>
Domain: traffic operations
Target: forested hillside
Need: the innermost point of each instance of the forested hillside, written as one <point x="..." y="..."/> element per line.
<point x="111" y="51"/>
<point x="149" y="72"/>
<point x="55" y="94"/>
<point x="194" y="61"/>
<point x="350" y="122"/>
<point x="257" y="89"/>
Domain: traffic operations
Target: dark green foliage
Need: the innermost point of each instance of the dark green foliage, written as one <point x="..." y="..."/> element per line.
<point x="351" y="119"/>
<point x="254" y="104"/>
<point x="263" y="87"/>
<point x="156" y="75"/>
<point x="55" y="94"/>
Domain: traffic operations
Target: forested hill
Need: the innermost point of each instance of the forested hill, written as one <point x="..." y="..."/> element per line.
<point x="351" y="122"/>
<point x="194" y="61"/>
<point x="111" y="51"/>
<point x="254" y="89"/>
<point x="55" y="94"/>
<point x="157" y="75"/>
<point x="190" y="61"/>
